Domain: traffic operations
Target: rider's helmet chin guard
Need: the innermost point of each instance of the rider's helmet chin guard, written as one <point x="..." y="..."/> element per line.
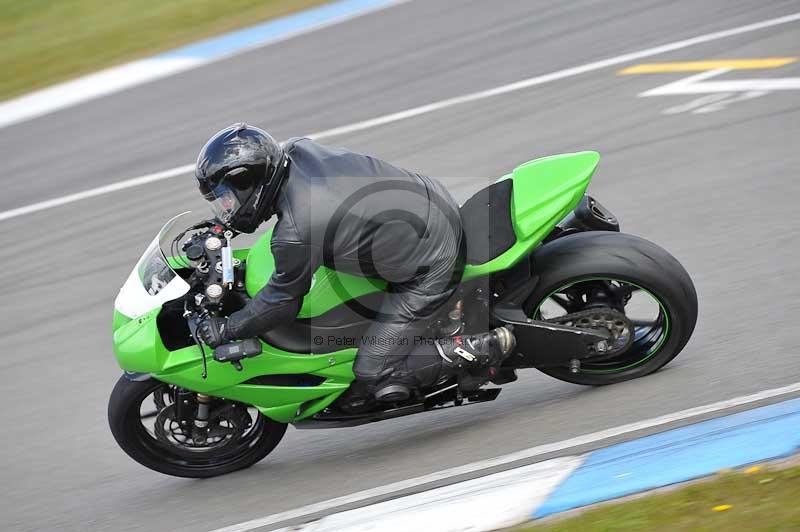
<point x="240" y="171"/>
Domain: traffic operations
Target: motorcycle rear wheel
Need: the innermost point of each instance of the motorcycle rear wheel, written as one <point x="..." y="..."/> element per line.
<point x="620" y="260"/>
<point x="143" y="443"/>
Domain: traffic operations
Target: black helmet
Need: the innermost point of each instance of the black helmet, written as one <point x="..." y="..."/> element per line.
<point x="240" y="171"/>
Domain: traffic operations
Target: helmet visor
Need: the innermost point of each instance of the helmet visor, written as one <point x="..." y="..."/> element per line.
<point x="224" y="203"/>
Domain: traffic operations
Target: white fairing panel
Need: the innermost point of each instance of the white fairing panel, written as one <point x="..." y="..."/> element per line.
<point x="152" y="282"/>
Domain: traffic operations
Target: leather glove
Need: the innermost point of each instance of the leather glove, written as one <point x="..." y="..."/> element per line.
<point x="213" y="331"/>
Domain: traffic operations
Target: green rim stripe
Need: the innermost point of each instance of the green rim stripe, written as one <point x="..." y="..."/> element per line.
<point x="650" y="353"/>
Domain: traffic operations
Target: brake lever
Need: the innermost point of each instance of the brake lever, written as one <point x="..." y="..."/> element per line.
<point x="203" y="224"/>
<point x="191" y="321"/>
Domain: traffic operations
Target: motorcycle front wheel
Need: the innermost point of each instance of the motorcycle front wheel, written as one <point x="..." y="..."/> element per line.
<point x="151" y="426"/>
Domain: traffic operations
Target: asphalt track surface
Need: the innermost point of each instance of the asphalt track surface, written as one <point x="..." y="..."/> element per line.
<point x="719" y="190"/>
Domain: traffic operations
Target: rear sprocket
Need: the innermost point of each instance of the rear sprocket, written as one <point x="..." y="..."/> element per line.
<point x="615" y="322"/>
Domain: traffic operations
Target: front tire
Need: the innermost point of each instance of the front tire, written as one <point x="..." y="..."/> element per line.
<point x="158" y="453"/>
<point x="609" y="257"/>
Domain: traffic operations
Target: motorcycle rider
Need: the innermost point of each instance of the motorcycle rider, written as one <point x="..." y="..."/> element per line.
<point x="356" y="214"/>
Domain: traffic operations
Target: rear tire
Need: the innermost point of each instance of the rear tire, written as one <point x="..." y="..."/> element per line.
<point x="626" y="258"/>
<point x="124" y="418"/>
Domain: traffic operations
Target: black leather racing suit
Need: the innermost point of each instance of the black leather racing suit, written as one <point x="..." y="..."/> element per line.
<point x="360" y="215"/>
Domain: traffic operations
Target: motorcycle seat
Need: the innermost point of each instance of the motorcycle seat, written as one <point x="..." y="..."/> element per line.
<point x="486" y="220"/>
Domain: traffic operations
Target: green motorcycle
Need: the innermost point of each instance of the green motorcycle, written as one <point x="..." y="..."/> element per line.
<point x="587" y="304"/>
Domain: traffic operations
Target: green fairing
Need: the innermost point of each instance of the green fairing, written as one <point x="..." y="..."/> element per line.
<point x="329" y="288"/>
<point x="119" y="320"/>
<point x="545" y="190"/>
<point x="139" y="348"/>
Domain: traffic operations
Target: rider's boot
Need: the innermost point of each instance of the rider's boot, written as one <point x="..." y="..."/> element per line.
<point x="458" y="355"/>
<point x="475" y="360"/>
<point x="476" y="350"/>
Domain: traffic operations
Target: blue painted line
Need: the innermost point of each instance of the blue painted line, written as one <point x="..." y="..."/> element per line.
<point x="678" y="455"/>
<point x="262" y="34"/>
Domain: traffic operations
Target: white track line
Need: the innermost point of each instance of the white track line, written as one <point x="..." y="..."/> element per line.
<point x="525" y="454"/>
<point x="554" y="76"/>
<point x="99" y="191"/>
<point x="429" y="108"/>
<point x="90" y="87"/>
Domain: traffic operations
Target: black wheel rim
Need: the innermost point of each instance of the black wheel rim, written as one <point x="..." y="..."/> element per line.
<point x="650" y="332"/>
<point x="152" y="402"/>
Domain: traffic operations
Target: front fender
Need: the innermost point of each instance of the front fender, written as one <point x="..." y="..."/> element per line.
<point x="136" y="377"/>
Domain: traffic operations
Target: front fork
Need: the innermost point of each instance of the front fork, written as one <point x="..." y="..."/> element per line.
<point x="192" y="411"/>
<point x="200" y="425"/>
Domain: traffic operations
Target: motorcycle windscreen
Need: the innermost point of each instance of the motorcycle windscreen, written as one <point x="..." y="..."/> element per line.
<point x="152" y="282"/>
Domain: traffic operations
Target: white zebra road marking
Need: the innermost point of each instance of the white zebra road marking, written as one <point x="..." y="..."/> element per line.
<point x="488" y="503"/>
<point x="720" y="93"/>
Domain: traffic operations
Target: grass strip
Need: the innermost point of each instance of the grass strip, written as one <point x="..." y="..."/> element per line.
<point x="43" y="42"/>
<point x="755" y="498"/>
